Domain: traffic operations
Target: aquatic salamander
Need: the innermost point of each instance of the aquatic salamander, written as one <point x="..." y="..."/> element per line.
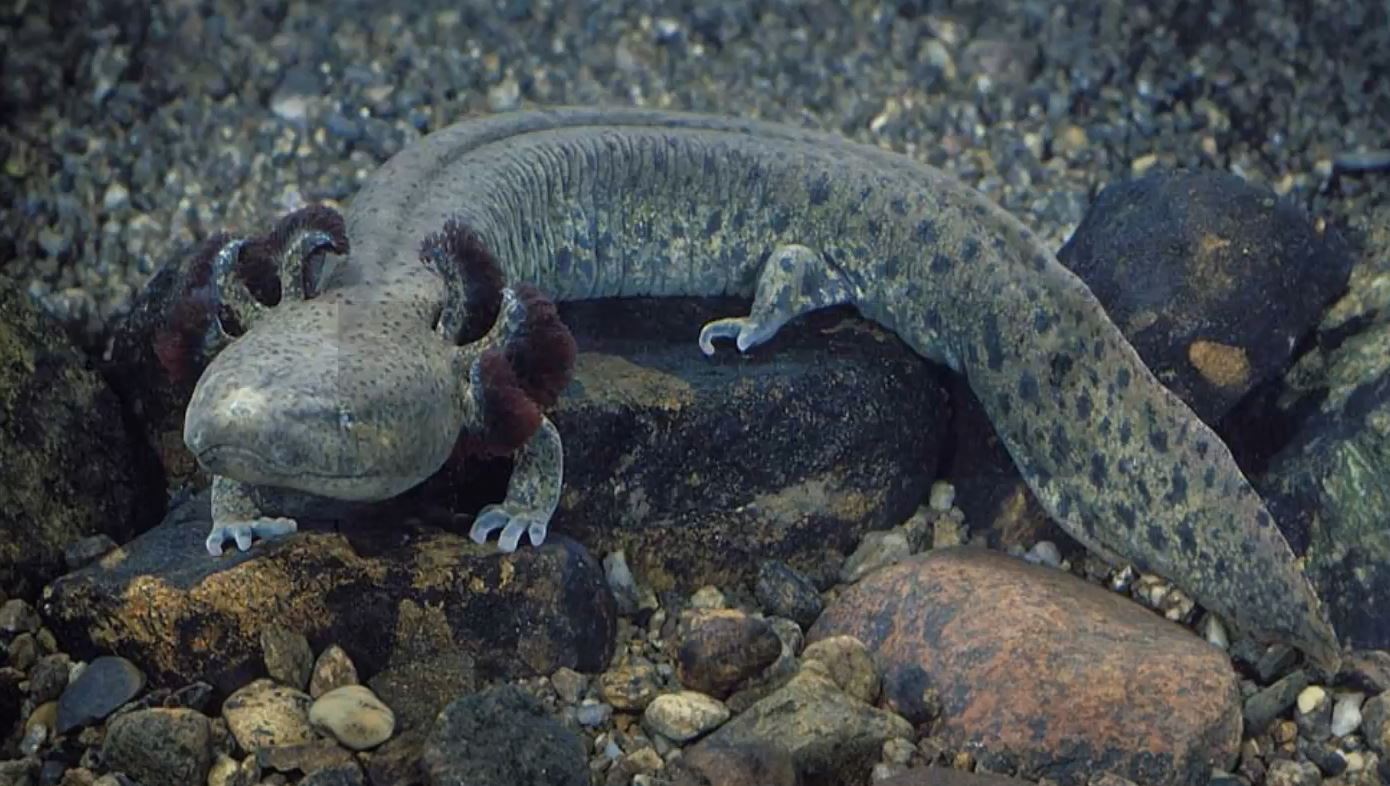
<point x="391" y="340"/>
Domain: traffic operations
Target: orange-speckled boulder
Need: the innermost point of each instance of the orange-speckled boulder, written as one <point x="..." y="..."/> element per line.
<point x="385" y="595"/>
<point x="1050" y="675"/>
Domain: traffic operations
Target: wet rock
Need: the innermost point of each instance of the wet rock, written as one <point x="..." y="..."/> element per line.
<point x="106" y="683"/>
<point x="49" y="677"/>
<point x="1346" y="714"/>
<point x="1267" y="704"/>
<point x="1314" y="716"/>
<point x="1211" y="278"/>
<point x="264" y="714"/>
<point x="354" y="716"/>
<point x="831" y="736"/>
<point x="397" y="762"/>
<point x="752" y="764"/>
<point x="783" y="591"/>
<point x="516" y="614"/>
<point x="71" y="470"/>
<point x="160" y="747"/>
<point x="1283" y="772"/>
<point x="630" y="686"/>
<point x="1366" y="670"/>
<point x="683" y="716"/>
<point x="502" y="737"/>
<point x="717" y="650"/>
<point x="728" y="461"/>
<point x="848" y="663"/>
<point x="944" y="625"/>
<point x="1375" y="720"/>
<point x="288" y="658"/>
<point x="428" y="669"/>
<point x="332" y="669"/>
<point x="17" y="616"/>
<point x="308" y="756"/>
<point x="569" y="684"/>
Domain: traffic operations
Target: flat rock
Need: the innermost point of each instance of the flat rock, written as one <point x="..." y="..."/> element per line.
<point x="103" y="686"/>
<point x="831" y="737"/>
<point x="181" y="614"/>
<point x="1059" y="677"/>
<point x="701" y="468"/>
<point x="70" y="469"/>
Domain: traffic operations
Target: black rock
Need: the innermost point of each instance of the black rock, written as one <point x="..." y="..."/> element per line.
<point x="1263" y="707"/>
<point x="1211" y="278"/>
<point x="102" y="687"/>
<point x="503" y="737"/>
<point x="785" y="592"/>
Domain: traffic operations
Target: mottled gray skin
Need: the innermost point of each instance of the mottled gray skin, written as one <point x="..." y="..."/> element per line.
<point x="354" y="394"/>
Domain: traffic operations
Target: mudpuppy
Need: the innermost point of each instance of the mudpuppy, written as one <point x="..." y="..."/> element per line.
<point x="415" y="323"/>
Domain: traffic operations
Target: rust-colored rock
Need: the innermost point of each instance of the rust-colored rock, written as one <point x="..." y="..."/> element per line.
<point x="1060" y="678"/>
<point x="718" y="649"/>
<point x="377" y="592"/>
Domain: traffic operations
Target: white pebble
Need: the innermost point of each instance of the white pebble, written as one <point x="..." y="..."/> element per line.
<point x="1346" y="714"/>
<point x="708" y="597"/>
<point x="1215" y="632"/>
<point x="354" y="716"/>
<point x="683" y="716"/>
<point x="1356" y="762"/>
<point x="1044" y="552"/>
<point x="1309" y="699"/>
<point x="942" y="496"/>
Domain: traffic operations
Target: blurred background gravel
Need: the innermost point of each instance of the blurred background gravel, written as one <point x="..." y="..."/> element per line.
<point x="131" y="129"/>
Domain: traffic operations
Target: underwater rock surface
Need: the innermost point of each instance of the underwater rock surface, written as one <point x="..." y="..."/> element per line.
<point x="67" y="467"/>
<point x="182" y="615"/>
<point x="1055" y="676"/>
<point x="702" y="468"/>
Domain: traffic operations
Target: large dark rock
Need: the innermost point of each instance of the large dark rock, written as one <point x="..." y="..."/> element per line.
<point x="1053" y="676"/>
<point x="68" y="468"/>
<point x="1329" y="487"/>
<point x="701" y="468"/>
<point x="1212" y="279"/>
<point x="182" y="615"/>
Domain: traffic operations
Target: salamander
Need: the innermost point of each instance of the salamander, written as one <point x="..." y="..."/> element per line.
<point x="392" y="339"/>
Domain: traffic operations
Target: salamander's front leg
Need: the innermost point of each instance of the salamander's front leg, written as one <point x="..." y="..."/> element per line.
<point x="236" y="516"/>
<point x="794" y="281"/>
<point x="532" y="494"/>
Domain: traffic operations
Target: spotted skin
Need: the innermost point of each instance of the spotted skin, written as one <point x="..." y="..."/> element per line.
<point x="354" y="394"/>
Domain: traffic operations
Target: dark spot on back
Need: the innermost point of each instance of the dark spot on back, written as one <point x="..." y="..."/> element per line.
<point x="940" y="264"/>
<point x="1098" y="470"/>
<point x="781" y="219"/>
<point x="926" y="232"/>
<point x="1122" y="378"/>
<point x="1059" y="367"/>
<point x="1158" y="539"/>
<point x="1179" y="493"/>
<point x="1159" y="439"/>
<point x="715" y="223"/>
<point x="892" y="266"/>
<point x="1126" y="515"/>
<point x="1209" y="477"/>
<point x="899" y="206"/>
<point x="970" y="249"/>
<point x="1125" y="432"/>
<point x="994" y="342"/>
<point x="1042" y="320"/>
<point x="1061" y="445"/>
<point x="1028" y="386"/>
<point x="1187" y="538"/>
<point x="820" y="189"/>
<point x="1083" y="406"/>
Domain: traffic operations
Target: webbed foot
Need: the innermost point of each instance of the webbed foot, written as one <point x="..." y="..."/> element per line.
<point x="243" y="532"/>
<point x="236" y="516"/>
<point x="533" y="493"/>
<point x="795" y="280"/>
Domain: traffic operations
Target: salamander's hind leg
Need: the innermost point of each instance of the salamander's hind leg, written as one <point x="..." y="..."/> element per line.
<point x="532" y="494"/>
<point x="236" y="516"/>
<point x="794" y="281"/>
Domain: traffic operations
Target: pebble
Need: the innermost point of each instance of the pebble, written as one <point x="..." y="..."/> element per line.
<point x="718" y="650"/>
<point x="266" y="714"/>
<point x="1346" y="714"/>
<point x="1283" y="772"/>
<point x="354" y="716"/>
<point x="1266" y="705"/>
<point x="160" y="747"/>
<point x="593" y="713"/>
<point x="332" y="669"/>
<point x="1314" y="716"/>
<point x="622" y="583"/>
<point x="1375" y="720"/>
<point x="942" y="496"/>
<point x="23" y="651"/>
<point x="105" y="684"/>
<point x="49" y="677"/>
<point x="1215" y="632"/>
<point x="629" y="687"/>
<point x="1044" y="552"/>
<point x="17" y="616"/>
<point x="288" y="658"/>
<point x="848" y="663"/>
<point x="683" y="716"/>
<point x="708" y="597"/>
<point x="877" y="550"/>
<point x="569" y="684"/>
<point x="783" y="591"/>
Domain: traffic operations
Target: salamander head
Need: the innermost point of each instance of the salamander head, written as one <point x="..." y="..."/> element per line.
<point x="331" y="396"/>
